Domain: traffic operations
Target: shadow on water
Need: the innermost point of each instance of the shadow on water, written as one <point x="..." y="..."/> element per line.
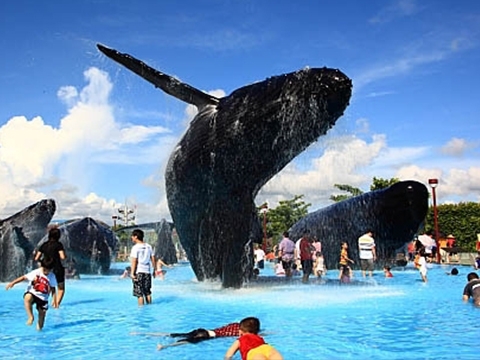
<point x="164" y="300"/>
<point x="76" y="323"/>
<point x="73" y="303"/>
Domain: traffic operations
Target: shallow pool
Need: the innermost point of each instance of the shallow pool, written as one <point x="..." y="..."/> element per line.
<point x="395" y="318"/>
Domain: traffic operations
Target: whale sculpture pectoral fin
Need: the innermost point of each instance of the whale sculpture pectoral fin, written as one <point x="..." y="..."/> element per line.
<point x="163" y="81"/>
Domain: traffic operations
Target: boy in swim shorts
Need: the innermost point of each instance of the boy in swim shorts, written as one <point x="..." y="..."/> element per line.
<point x="42" y="283"/>
<point x="251" y="345"/>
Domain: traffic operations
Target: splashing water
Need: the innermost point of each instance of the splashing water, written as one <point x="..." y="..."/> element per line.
<point x="375" y="318"/>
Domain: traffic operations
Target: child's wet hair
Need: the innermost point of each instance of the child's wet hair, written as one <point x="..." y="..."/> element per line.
<point x="47" y="263"/>
<point x="250" y="325"/>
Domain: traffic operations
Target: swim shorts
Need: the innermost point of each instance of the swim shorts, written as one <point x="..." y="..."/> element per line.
<point x="142" y="285"/>
<point x="41" y="304"/>
<point x="264" y="350"/>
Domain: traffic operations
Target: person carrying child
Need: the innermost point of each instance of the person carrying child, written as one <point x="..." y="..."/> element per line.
<point x="250" y="344"/>
<point x="42" y="283"/>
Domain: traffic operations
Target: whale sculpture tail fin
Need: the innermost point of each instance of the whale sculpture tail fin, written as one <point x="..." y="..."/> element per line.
<point x="163" y="81"/>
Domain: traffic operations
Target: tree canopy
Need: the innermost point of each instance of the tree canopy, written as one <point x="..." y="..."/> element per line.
<point x="377" y="184"/>
<point x="284" y="216"/>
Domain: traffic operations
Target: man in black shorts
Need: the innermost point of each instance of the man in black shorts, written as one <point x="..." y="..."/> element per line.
<point x="142" y="268"/>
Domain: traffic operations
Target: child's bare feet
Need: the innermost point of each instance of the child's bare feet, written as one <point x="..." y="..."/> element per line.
<point x="159" y="347"/>
<point x="30" y="321"/>
<point x="38" y="327"/>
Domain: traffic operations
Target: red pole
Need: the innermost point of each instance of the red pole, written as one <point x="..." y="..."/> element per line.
<point x="435" y="221"/>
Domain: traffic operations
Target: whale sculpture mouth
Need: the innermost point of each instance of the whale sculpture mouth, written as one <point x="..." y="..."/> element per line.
<point x="231" y="149"/>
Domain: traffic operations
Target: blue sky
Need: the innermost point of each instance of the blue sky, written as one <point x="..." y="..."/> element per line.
<point x="78" y="127"/>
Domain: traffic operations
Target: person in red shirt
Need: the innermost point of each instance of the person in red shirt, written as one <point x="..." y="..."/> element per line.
<point x="306" y="249"/>
<point x="451" y="243"/>
<point x="250" y="344"/>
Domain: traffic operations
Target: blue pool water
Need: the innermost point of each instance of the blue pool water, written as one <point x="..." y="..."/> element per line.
<point x="396" y="318"/>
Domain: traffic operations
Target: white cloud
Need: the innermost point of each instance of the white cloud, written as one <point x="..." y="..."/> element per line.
<point x="342" y="162"/>
<point x="353" y="161"/>
<point x="454" y="184"/>
<point x="68" y="94"/>
<point x="39" y="161"/>
<point x="456" y="147"/>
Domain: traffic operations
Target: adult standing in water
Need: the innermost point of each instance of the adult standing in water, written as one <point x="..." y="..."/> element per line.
<point x="286" y="250"/>
<point x="54" y="249"/>
<point x="142" y="268"/>
<point x="306" y="249"/>
<point x="366" y="246"/>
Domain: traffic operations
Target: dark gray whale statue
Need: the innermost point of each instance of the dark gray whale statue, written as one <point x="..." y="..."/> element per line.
<point x="164" y="246"/>
<point x="90" y="243"/>
<point x="19" y="234"/>
<point x="393" y="214"/>
<point x="232" y="148"/>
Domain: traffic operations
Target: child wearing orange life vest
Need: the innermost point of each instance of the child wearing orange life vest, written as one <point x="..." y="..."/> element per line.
<point x="250" y="344"/>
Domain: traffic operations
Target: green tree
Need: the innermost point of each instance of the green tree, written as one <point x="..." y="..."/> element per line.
<point x="353" y="191"/>
<point x="380" y="183"/>
<point x="286" y="214"/>
<point x="377" y="184"/>
<point x="461" y="220"/>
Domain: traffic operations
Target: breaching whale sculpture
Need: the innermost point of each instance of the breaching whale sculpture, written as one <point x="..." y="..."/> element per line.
<point x="90" y="243"/>
<point x="233" y="146"/>
<point x="393" y="214"/>
<point x="19" y="235"/>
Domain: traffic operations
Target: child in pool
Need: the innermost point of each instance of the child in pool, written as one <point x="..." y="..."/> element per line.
<point x="346" y="275"/>
<point x="42" y="283"/>
<point x="251" y="345"/>
<point x="279" y="271"/>
<point x="198" y="335"/>
<point x="319" y="266"/>
<point x="344" y="260"/>
<point x="421" y="264"/>
<point x="387" y="272"/>
<point x="126" y="272"/>
<point x="159" y="269"/>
